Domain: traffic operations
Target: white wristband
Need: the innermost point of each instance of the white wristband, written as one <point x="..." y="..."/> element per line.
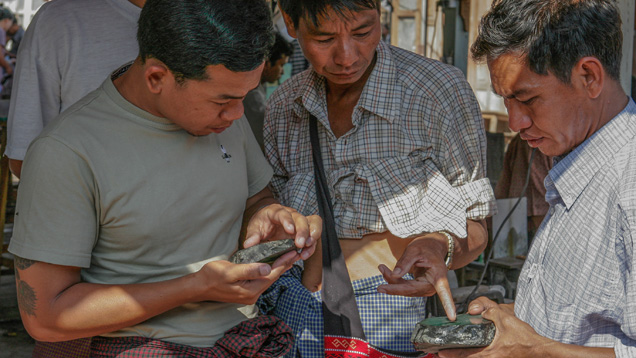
<point x="451" y="249"/>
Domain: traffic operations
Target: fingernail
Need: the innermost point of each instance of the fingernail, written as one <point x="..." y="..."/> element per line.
<point x="264" y="270"/>
<point x="301" y="241"/>
<point x="397" y="271"/>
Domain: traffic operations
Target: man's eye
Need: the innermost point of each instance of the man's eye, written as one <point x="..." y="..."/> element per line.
<point x="364" y="34"/>
<point x="324" y="41"/>
<point x="528" y="101"/>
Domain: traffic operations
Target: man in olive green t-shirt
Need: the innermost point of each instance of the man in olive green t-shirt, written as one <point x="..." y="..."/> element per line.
<point x="134" y="198"/>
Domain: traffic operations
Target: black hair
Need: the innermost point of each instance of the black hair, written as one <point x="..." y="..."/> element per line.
<point x="552" y="34"/>
<point x="189" y="35"/>
<point x="281" y="48"/>
<point x="6" y="14"/>
<point x="312" y="10"/>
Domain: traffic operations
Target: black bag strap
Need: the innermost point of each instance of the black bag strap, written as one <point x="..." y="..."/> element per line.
<point x="339" y="307"/>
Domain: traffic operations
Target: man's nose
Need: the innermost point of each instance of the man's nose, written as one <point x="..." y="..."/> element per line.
<point x="346" y="53"/>
<point x="518" y="119"/>
<point x="233" y="111"/>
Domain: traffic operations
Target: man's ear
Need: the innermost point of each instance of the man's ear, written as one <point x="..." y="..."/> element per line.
<point x="291" y="30"/>
<point x="590" y="73"/>
<point x="157" y="75"/>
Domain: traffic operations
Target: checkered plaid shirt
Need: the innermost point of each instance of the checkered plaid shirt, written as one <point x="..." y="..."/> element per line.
<point x="578" y="284"/>
<point x="414" y="161"/>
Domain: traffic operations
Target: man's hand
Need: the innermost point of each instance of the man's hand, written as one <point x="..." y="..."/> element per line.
<point x="276" y="222"/>
<point x="514" y="338"/>
<point x="424" y="258"/>
<point x="241" y="283"/>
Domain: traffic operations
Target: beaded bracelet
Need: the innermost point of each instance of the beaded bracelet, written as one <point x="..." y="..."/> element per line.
<point x="451" y="248"/>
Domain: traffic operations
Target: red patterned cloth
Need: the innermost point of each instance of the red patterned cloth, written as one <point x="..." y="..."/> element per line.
<point x="79" y="348"/>
<point x="348" y="347"/>
<point x="260" y="337"/>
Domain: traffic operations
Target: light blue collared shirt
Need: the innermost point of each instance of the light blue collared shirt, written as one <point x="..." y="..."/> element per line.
<point x="577" y="285"/>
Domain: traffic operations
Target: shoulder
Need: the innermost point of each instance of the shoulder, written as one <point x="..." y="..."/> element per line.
<point x="57" y="11"/>
<point x="54" y="17"/>
<point x="288" y="91"/>
<point x="71" y="124"/>
<point x="288" y="98"/>
<point x="417" y="72"/>
<point x="625" y="169"/>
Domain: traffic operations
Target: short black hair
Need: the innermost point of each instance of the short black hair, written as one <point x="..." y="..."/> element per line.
<point x="281" y="48"/>
<point x="312" y="10"/>
<point x="552" y="34"/>
<point x="189" y="35"/>
<point x="6" y="14"/>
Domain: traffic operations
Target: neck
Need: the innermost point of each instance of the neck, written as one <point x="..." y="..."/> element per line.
<point x="612" y="102"/>
<point x="132" y="86"/>
<point x="138" y="3"/>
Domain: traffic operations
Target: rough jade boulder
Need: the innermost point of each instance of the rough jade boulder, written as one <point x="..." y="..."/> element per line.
<point x="266" y="252"/>
<point x="468" y="331"/>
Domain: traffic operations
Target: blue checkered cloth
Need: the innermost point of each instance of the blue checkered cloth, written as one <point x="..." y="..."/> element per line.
<point x="387" y="320"/>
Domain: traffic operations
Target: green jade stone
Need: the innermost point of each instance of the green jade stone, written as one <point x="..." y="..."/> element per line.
<point x="266" y="252"/>
<point x="468" y="331"/>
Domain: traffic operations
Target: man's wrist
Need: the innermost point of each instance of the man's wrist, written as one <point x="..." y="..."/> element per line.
<point x="437" y="242"/>
<point x="448" y="260"/>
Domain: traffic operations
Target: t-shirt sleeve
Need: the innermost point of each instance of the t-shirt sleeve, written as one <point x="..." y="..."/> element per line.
<point x="35" y="97"/>
<point x="56" y="219"/>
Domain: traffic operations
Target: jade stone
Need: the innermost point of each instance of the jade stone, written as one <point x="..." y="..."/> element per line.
<point x="468" y="331"/>
<point x="266" y="252"/>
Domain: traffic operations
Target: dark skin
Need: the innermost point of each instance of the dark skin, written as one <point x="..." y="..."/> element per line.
<point x="56" y="305"/>
<point x="554" y="117"/>
<point x="66" y="308"/>
<point x="343" y="51"/>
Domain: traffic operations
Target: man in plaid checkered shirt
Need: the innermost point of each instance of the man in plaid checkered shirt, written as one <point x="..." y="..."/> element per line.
<point x="404" y="151"/>
<point x="556" y="63"/>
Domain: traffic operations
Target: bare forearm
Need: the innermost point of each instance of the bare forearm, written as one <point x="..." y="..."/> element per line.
<point x="561" y="350"/>
<point x="86" y="309"/>
<point x="16" y="167"/>
<point x="467" y="249"/>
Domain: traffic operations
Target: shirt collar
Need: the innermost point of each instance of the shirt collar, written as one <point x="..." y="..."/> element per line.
<point x="573" y="172"/>
<point x="380" y="95"/>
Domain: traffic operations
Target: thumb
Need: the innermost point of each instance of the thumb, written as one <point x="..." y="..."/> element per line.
<point x="253" y="271"/>
<point x="492" y="313"/>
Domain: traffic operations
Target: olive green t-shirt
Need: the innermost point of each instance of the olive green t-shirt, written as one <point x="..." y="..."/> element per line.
<point x="130" y="198"/>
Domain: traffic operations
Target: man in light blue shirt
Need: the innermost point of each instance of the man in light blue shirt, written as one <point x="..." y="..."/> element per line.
<point x="556" y="63"/>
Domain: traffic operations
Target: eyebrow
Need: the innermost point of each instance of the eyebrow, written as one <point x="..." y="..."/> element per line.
<point x="317" y="32"/>
<point x="515" y="94"/>
<point x="229" y="96"/>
